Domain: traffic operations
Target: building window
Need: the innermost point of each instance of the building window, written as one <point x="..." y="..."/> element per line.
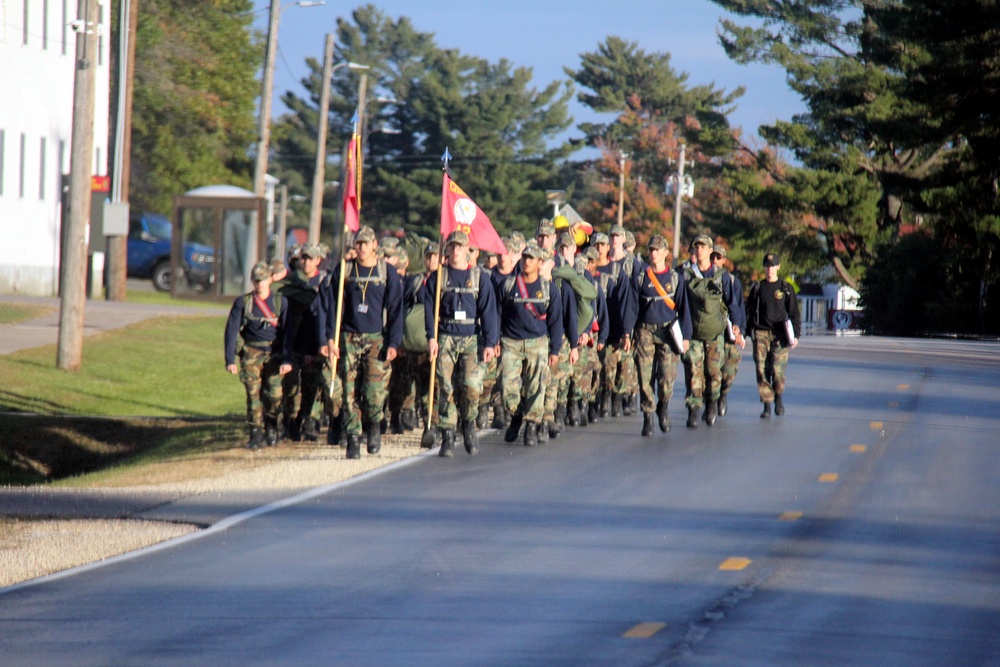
<point x="20" y="184"/>
<point x="41" y="170"/>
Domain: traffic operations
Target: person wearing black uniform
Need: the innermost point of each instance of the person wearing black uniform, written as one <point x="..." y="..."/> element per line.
<point x="467" y="304"/>
<point x="661" y="295"/>
<point x="260" y="318"/>
<point x="775" y="324"/>
<point x="371" y="332"/>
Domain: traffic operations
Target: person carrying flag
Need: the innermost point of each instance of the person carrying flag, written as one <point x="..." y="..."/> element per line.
<point x="467" y="304"/>
<point x="371" y="332"/>
<point x="531" y="338"/>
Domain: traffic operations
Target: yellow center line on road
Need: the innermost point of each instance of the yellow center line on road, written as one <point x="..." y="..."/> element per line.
<point x="859" y="449"/>
<point x="829" y="477"/>
<point x="644" y="630"/>
<point x="876" y="426"/>
<point x="790" y="515"/>
<point x="735" y="564"/>
<point x="902" y="387"/>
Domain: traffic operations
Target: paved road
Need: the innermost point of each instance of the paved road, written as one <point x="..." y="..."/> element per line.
<point x="863" y="528"/>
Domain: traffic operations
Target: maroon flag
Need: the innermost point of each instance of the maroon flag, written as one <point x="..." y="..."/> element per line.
<point x="458" y="212"/>
<point x="352" y="187"/>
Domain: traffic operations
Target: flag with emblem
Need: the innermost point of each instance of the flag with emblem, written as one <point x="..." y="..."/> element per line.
<point x="459" y="212"/>
<point x="352" y="186"/>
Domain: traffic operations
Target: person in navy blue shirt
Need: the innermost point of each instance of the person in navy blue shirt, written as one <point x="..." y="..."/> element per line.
<point x="260" y="318"/>
<point x="371" y="331"/>
<point x="467" y="311"/>
<point x="531" y="333"/>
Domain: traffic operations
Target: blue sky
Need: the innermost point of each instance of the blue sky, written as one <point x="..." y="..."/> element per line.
<point x="548" y="35"/>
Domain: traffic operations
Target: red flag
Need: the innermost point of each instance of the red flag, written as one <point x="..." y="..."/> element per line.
<point x="461" y="213"/>
<point x="352" y="196"/>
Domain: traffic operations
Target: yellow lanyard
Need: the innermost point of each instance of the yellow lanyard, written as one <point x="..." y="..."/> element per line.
<point x="363" y="286"/>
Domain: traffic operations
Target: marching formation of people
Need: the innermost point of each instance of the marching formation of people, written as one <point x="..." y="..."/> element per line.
<point x="544" y="336"/>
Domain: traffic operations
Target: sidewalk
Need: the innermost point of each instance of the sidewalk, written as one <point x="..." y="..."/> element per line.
<point x="98" y="316"/>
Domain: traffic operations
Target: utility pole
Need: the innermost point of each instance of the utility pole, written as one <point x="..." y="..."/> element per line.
<point x="283" y="222"/>
<point x="319" y="173"/>
<point x="621" y="185"/>
<point x="73" y="270"/>
<point x="679" y="191"/>
<point x="264" y="134"/>
<point x="118" y="244"/>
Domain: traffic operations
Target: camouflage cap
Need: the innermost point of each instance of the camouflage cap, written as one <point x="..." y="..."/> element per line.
<point x="546" y="228"/>
<point x="458" y="237"/>
<point x="592" y="253"/>
<point x="389" y="243"/>
<point x="324" y="249"/>
<point x="430" y="249"/>
<point x="547" y="255"/>
<point x="629" y="239"/>
<point x="616" y="229"/>
<point x="311" y="250"/>
<point x="770" y="259"/>
<point x="580" y="263"/>
<point x="719" y="250"/>
<point x="519" y="237"/>
<point x="511" y="244"/>
<point x="703" y="239"/>
<point x="532" y="249"/>
<point x="657" y="241"/>
<point x="277" y="266"/>
<point x="260" y="271"/>
<point x="364" y="235"/>
<point x="599" y="238"/>
<point x="294" y="251"/>
<point x="566" y="241"/>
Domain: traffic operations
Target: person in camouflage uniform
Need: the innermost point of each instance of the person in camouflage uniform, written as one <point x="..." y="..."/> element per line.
<point x="557" y="389"/>
<point x="467" y="313"/>
<point x="371" y="332"/>
<point x="772" y="309"/>
<point x="492" y="380"/>
<point x="530" y="326"/>
<point x="260" y="319"/>
<point x="733" y="351"/>
<point x="711" y="299"/>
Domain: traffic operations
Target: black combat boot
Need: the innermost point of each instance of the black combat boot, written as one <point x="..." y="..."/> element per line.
<point x="592" y="416"/>
<point x="396" y="422"/>
<point x="556" y="427"/>
<point x="573" y="414"/>
<point x="482" y="416"/>
<point x="499" y="418"/>
<point x="710" y="413"/>
<point x="767" y="411"/>
<point x="627" y="404"/>
<point x="336" y="431"/>
<point x="542" y="432"/>
<point x="294" y="428"/>
<point x="779" y="407"/>
<point x="471" y="438"/>
<point x="605" y="403"/>
<point x="270" y="431"/>
<point x="723" y="405"/>
<point x="310" y="430"/>
<point x="662" y="412"/>
<point x="256" y="438"/>
<point x="616" y="405"/>
<point x="514" y="427"/>
<point x="581" y="410"/>
<point x="447" y="443"/>
<point x="530" y="434"/>
<point x="692" y="417"/>
<point x="647" y="424"/>
<point x="374" y="438"/>
<point x="354" y="445"/>
<point x="408" y="419"/>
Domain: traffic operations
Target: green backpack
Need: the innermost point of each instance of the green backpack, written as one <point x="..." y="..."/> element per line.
<point x="708" y="312"/>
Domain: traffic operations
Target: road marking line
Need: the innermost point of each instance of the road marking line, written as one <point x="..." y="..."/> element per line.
<point x="859" y="449"/>
<point x="902" y="387"/>
<point x="791" y="515"/>
<point x="876" y="426"/>
<point x="644" y="630"/>
<point x="829" y="477"/>
<point x="735" y="564"/>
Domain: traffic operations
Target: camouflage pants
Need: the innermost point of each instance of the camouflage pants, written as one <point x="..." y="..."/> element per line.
<point x="656" y="365"/>
<point x="332" y="391"/>
<point x="615" y="365"/>
<point x="628" y="382"/>
<point x="731" y="357"/>
<point x="525" y="366"/>
<point x="458" y="367"/>
<point x="365" y="377"/>
<point x="770" y="355"/>
<point x="416" y="383"/>
<point x="262" y="381"/>
<point x="558" y="381"/>
<point x="703" y="371"/>
<point x="584" y="371"/>
<point x="491" y="372"/>
<point x="291" y="385"/>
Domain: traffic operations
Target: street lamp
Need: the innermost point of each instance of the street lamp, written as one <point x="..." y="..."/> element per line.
<point x="267" y="77"/>
<point x="319" y="173"/>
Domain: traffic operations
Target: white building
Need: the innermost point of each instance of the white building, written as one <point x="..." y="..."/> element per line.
<point x="37" y="67"/>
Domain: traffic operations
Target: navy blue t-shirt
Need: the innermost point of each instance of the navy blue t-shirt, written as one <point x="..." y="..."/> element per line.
<point x="372" y="303"/>
<point x="463" y="306"/>
<point x="531" y="315"/>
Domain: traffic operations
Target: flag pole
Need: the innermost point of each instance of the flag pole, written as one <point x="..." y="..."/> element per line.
<point x="429" y="438"/>
<point x="354" y="153"/>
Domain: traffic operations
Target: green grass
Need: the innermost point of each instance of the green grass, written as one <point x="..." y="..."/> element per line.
<point x="12" y="313"/>
<point x="149" y="392"/>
